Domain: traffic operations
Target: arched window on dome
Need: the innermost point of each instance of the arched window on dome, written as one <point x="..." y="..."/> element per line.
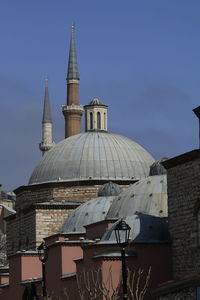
<point x="98" y="120"/>
<point x="104" y="121"/>
<point x="91" y="120"/>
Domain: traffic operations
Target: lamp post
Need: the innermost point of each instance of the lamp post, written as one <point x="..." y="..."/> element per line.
<point x="122" y="233"/>
<point x="43" y="256"/>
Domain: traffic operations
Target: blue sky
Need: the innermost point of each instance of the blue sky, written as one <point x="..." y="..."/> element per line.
<point x="141" y="57"/>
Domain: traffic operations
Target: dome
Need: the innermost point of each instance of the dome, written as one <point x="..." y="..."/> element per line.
<point x="96" y="101"/>
<point x="148" y="196"/>
<point x="157" y="168"/>
<point x="109" y="189"/>
<point x="90" y="212"/>
<point x="144" y="229"/>
<point x="93" y="155"/>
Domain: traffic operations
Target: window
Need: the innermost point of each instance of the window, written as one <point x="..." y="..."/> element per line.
<point x="91" y="120"/>
<point x="98" y="120"/>
<point x="105" y="121"/>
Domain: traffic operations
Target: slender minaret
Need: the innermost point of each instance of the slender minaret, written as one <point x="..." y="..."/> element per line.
<point x="47" y="142"/>
<point x="73" y="110"/>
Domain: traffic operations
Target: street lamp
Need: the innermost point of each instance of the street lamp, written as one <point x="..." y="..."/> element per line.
<point x="43" y="256"/>
<point x="122" y="233"/>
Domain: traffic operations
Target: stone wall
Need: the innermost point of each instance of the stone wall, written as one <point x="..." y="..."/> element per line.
<point x="183" y="206"/>
<point x="32" y="224"/>
<point x="27" y="230"/>
<point x="46" y="192"/>
<point x="21" y="232"/>
<point x="49" y="222"/>
<point x="41" y="210"/>
<point x="184" y="294"/>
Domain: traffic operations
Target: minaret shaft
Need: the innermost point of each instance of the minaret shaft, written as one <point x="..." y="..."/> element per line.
<point x="72" y="93"/>
<point x="72" y="111"/>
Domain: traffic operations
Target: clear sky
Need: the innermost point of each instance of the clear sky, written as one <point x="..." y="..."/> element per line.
<point x="141" y="57"/>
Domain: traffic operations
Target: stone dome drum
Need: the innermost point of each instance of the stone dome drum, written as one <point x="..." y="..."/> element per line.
<point x="93" y="156"/>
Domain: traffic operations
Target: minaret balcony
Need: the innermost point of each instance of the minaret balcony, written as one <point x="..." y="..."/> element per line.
<point x="45" y="147"/>
<point x="72" y="108"/>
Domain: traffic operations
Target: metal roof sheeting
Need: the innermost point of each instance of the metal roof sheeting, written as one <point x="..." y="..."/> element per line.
<point x="93" y="155"/>
<point x="148" y="196"/>
<point x="72" y="72"/>
<point x="47" y="109"/>
<point x="90" y="212"/>
<point x="144" y="229"/>
<point x="109" y="189"/>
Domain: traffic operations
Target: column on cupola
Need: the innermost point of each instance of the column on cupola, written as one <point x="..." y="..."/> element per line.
<point x="72" y="111"/>
<point x="47" y="141"/>
<point x="96" y="116"/>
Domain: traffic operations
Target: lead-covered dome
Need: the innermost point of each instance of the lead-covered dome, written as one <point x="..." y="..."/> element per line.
<point x="90" y="212"/>
<point x="93" y="155"/>
<point x="147" y="196"/>
<point x="144" y="229"/>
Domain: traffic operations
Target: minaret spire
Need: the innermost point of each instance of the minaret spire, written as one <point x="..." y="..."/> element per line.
<point x="72" y="111"/>
<point x="72" y="72"/>
<point x="47" y="110"/>
<point x="47" y="142"/>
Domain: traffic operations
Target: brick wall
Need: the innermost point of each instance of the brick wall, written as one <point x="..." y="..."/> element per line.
<point x="183" y="202"/>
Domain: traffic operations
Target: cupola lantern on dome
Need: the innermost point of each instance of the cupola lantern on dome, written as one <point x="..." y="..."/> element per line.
<point x="96" y="116"/>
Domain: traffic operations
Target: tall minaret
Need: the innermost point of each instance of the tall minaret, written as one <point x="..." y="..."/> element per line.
<point x="73" y="110"/>
<point x="47" y="142"/>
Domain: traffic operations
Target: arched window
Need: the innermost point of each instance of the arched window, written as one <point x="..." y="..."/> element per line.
<point x="105" y="121"/>
<point x="98" y="120"/>
<point x="91" y="120"/>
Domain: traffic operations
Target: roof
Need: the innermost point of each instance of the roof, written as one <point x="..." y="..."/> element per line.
<point x="47" y="110"/>
<point x="177" y="285"/>
<point x="90" y="212"/>
<point x="157" y="168"/>
<point x="93" y="156"/>
<point x="144" y="229"/>
<point x="109" y="189"/>
<point x="72" y="72"/>
<point x="148" y="196"/>
<point x="95" y="101"/>
<point x="8" y="208"/>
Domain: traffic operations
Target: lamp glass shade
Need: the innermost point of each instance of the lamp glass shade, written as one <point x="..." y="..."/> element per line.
<point x="122" y="232"/>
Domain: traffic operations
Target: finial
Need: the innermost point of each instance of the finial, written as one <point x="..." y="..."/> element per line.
<point x="46" y="81"/>
<point x="73" y="28"/>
